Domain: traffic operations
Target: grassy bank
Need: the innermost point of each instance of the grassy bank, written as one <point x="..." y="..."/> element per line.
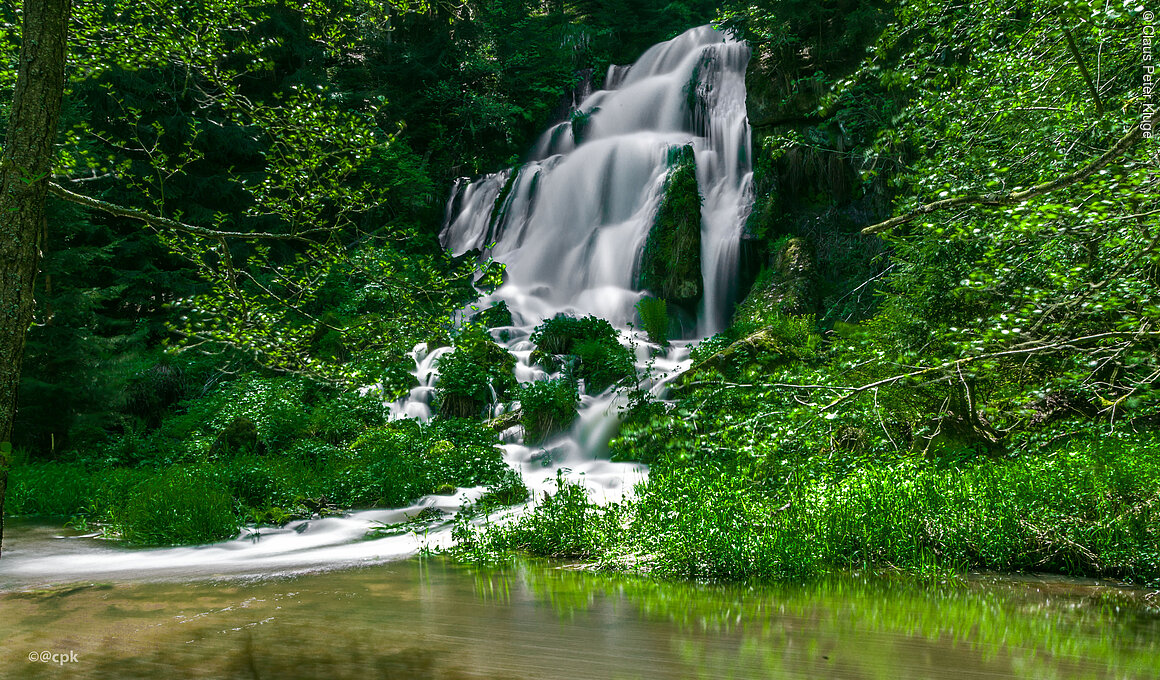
<point x="1089" y="508"/>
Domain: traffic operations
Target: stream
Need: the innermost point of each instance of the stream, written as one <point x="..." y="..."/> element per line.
<point x="431" y="618"/>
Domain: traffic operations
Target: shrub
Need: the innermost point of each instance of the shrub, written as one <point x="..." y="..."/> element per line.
<point x="547" y="407"/>
<point x="344" y="417"/>
<point x="654" y="319"/>
<point x="479" y="372"/>
<point x="589" y="347"/>
<point x="399" y="462"/>
<point x="275" y="406"/>
<point x="179" y="506"/>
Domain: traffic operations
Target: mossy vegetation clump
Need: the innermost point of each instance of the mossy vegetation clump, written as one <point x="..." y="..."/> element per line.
<point x="670" y="264"/>
<point x="494" y="316"/>
<point x="547" y="407"/>
<point x="586" y="348"/>
<point x="478" y="373"/>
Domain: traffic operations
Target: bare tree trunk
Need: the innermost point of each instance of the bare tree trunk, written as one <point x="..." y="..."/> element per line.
<point x="24" y="172"/>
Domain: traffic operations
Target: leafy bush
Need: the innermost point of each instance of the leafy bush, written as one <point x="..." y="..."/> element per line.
<point x="560" y="334"/>
<point x="479" y="372"/>
<point x="399" y="462"/>
<point x="342" y="418"/>
<point x="589" y="347"/>
<point x="547" y="407"/>
<point x="275" y="406"/>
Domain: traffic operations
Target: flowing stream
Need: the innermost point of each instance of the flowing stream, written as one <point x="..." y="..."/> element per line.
<point x="570" y="229"/>
<point x="429" y="619"/>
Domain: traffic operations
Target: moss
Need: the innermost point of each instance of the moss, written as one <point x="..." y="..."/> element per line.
<point x="497" y="209"/>
<point x="494" y="316"/>
<point x="790" y="286"/>
<point x="670" y="264"/>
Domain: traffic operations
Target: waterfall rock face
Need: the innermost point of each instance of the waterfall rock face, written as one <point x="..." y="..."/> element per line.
<point x="572" y="222"/>
<point x="670" y="264"/>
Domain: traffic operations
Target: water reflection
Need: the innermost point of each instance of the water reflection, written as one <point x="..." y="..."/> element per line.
<point x="435" y="619"/>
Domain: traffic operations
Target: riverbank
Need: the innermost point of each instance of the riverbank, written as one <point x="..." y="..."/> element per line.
<point x="1085" y="507"/>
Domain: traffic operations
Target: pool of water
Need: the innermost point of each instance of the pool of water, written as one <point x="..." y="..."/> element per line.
<point x="433" y="618"/>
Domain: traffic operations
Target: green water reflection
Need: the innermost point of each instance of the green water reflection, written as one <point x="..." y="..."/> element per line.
<point x="437" y="619"/>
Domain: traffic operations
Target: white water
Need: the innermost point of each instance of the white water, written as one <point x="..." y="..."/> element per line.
<point x="570" y="232"/>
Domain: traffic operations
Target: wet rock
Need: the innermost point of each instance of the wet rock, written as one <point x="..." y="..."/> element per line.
<point x="670" y="264"/>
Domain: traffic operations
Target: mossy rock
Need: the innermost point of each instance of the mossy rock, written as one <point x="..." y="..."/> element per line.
<point x="670" y="264"/>
<point x="788" y="286"/>
<point x="494" y="316"/>
<point x="240" y="436"/>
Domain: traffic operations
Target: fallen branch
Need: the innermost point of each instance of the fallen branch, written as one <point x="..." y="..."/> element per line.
<point x="1121" y="147"/>
<point x="503" y="422"/>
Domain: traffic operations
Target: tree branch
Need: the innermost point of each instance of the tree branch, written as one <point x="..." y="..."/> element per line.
<point x="159" y="222"/>
<point x="1121" y="147"/>
<point x="958" y="363"/>
<point x="1087" y="78"/>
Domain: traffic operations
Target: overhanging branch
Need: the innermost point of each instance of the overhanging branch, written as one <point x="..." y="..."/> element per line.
<point x="958" y="363"/>
<point x="1121" y="147"/>
<point x="159" y="222"/>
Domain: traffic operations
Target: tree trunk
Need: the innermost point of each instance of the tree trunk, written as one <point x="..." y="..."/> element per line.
<point x="24" y="172"/>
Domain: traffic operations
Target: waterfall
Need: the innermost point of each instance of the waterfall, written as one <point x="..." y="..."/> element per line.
<point x="570" y="223"/>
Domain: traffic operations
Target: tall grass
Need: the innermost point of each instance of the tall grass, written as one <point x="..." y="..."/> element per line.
<point x="1092" y="510"/>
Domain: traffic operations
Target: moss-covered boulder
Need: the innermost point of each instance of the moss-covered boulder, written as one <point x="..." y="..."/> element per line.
<point x="670" y="264"/>
<point x="788" y="286"/>
<point x="239" y="436"/>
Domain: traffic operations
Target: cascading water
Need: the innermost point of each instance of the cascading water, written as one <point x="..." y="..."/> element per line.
<point x="575" y="217"/>
<point x="570" y="225"/>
